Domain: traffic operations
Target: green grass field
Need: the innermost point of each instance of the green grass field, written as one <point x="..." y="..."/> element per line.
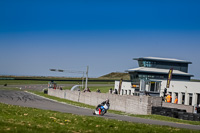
<point x="103" y="89"/>
<point x="24" y="82"/>
<point x="15" y="119"/>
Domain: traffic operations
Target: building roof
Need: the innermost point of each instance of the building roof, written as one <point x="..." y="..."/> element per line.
<point x="163" y="59"/>
<point x="158" y="70"/>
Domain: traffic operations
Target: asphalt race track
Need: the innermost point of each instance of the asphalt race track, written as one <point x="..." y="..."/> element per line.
<point x="26" y="99"/>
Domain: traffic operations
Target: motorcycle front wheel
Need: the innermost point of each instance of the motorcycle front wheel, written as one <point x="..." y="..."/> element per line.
<point x="103" y="112"/>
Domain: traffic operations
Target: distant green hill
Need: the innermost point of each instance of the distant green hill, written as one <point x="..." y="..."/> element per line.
<point x="116" y="75"/>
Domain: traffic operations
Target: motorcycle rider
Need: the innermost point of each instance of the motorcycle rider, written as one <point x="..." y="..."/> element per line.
<point x="103" y="103"/>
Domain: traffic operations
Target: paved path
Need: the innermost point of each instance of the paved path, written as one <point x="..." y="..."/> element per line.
<point x="29" y="100"/>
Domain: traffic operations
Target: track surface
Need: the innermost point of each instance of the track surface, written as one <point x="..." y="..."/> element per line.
<point x="22" y="98"/>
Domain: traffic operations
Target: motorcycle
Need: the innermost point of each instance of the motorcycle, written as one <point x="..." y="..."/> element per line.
<point x="101" y="110"/>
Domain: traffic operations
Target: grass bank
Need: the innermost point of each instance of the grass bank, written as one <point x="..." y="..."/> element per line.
<point x="23" y="119"/>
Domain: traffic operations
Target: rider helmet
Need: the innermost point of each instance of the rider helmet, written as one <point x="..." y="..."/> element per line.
<point x="107" y="100"/>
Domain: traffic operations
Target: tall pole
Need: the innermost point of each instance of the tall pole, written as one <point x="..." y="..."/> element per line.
<point x="82" y="80"/>
<point x="86" y="81"/>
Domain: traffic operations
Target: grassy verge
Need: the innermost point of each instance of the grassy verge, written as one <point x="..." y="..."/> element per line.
<point x="63" y="100"/>
<point x="23" y="119"/>
<point x="20" y="82"/>
<point x="23" y="82"/>
<point x="154" y="117"/>
<point x="165" y="118"/>
<point x="8" y="88"/>
<point x="103" y="89"/>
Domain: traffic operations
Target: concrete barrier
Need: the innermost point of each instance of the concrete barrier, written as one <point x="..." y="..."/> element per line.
<point x="125" y="103"/>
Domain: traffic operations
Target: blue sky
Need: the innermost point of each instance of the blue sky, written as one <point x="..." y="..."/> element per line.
<point x="106" y="35"/>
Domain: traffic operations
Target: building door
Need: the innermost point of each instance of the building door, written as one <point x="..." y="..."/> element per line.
<point x="198" y="99"/>
<point x="190" y="99"/>
<point x="183" y="98"/>
<point x="152" y="86"/>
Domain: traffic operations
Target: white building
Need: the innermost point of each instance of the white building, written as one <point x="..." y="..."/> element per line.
<point x="151" y="78"/>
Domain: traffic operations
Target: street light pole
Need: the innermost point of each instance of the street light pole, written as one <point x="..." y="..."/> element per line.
<point x="82" y="80"/>
<point x="68" y="71"/>
<point x="86" y="81"/>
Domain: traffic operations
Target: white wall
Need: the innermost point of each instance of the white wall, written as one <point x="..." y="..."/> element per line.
<point x="182" y="86"/>
<point x="179" y="87"/>
<point x="186" y="87"/>
<point x="126" y="86"/>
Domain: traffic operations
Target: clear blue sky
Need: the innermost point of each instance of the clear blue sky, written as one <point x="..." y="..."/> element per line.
<point x="36" y="35"/>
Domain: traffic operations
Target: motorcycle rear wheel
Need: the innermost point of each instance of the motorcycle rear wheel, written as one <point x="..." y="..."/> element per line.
<point x="94" y="113"/>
